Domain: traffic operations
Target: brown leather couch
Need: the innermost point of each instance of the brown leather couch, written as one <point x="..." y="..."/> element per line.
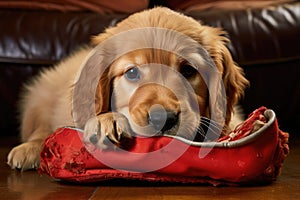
<point x="265" y="42"/>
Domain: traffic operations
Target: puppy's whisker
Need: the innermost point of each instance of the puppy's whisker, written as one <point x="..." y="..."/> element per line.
<point x="211" y="124"/>
<point x="200" y="131"/>
<point x="213" y="129"/>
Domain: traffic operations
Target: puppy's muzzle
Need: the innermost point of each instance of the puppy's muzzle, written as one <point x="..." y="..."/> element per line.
<point x="161" y="119"/>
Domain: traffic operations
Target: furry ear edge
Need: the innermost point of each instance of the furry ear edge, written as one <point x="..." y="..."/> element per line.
<point x="91" y="89"/>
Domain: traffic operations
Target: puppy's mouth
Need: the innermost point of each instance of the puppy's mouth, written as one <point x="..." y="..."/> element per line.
<point x="203" y="131"/>
<point x="163" y="121"/>
<point x="172" y="131"/>
<point x="158" y="122"/>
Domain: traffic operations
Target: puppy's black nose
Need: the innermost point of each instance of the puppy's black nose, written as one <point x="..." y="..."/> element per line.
<point x="162" y="120"/>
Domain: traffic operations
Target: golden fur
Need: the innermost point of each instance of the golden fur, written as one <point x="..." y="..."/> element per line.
<point x="47" y="101"/>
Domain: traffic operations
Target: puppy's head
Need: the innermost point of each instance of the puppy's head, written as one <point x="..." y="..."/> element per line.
<point x="157" y="70"/>
<point x="159" y="92"/>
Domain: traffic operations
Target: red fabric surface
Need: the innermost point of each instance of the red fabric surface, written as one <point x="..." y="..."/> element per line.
<point x="65" y="157"/>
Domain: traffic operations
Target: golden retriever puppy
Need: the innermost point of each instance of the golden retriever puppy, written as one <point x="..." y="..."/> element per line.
<point x="157" y="72"/>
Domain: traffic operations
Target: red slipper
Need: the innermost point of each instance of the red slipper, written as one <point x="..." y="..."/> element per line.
<point x="246" y="156"/>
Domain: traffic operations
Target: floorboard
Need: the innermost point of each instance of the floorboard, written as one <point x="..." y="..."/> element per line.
<point x="30" y="185"/>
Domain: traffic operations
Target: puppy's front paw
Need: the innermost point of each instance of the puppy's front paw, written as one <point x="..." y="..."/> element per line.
<point x="108" y="128"/>
<point x="25" y="156"/>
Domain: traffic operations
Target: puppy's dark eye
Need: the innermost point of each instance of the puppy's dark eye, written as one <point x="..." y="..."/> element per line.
<point x="133" y="74"/>
<point x="188" y="71"/>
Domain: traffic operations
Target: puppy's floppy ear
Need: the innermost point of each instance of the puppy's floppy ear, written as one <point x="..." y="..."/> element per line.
<point x="103" y="93"/>
<point x="233" y="79"/>
<point x="91" y="90"/>
<point x="215" y="41"/>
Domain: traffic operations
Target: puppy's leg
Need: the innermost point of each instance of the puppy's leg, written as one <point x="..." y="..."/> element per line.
<point x="112" y="126"/>
<point x="35" y="127"/>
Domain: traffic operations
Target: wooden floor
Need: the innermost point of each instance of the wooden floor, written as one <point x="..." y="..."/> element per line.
<point x="30" y="185"/>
